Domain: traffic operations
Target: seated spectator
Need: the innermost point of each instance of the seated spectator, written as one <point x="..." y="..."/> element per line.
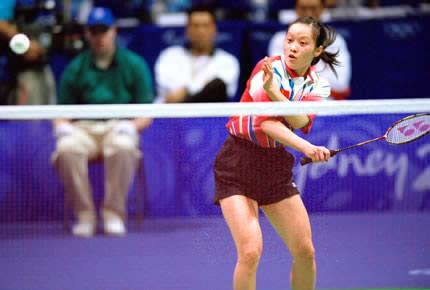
<point x="198" y="71"/>
<point x="30" y="80"/>
<point x="340" y="83"/>
<point x="103" y="74"/>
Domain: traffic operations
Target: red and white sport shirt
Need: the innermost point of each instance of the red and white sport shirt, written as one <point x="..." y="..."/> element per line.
<point x="292" y="86"/>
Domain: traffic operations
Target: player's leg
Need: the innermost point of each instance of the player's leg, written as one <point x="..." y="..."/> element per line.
<point x="241" y="215"/>
<point x="291" y="221"/>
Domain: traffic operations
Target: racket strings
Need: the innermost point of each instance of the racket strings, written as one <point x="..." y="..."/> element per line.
<point x="409" y="129"/>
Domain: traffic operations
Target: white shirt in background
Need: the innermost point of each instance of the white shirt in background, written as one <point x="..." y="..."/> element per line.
<point x="176" y="68"/>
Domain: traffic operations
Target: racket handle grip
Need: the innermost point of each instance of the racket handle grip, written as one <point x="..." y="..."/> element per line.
<point x="307" y="160"/>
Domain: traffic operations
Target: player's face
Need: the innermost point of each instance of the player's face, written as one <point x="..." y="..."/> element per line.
<point x="299" y="47"/>
<point x="101" y="39"/>
<point x="201" y="31"/>
<point x="311" y="8"/>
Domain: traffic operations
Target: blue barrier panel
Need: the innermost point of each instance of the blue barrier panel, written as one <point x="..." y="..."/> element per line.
<point x="179" y="156"/>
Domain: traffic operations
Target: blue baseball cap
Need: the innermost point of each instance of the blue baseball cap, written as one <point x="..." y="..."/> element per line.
<point x="100" y="16"/>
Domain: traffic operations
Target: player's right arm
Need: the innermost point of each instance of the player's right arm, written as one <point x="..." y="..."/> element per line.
<point x="285" y="136"/>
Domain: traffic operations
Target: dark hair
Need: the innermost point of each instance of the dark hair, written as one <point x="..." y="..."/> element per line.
<point x="321" y="1"/>
<point x="324" y="36"/>
<point x="201" y="8"/>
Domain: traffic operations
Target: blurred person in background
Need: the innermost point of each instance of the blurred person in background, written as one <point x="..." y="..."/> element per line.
<point x="103" y="74"/>
<point x="340" y="81"/>
<point x="197" y="71"/>
<point x="30" y="78"/>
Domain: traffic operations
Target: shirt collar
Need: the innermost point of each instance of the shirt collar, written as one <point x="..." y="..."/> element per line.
<point x="115" y="59"/>
<point x="187" y="47"/>
<point x="292" y="74"/>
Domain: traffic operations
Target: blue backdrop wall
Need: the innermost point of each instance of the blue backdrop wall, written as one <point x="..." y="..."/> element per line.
<point x="179" y="155"/>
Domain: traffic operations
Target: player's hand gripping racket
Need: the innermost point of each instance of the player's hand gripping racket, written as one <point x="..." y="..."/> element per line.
<point x="403" y="131"/>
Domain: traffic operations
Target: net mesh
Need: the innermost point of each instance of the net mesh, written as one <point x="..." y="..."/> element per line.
<point x="178" y="159"/>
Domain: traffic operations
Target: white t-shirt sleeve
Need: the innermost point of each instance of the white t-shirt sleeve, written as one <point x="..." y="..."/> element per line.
<point x="228" y="72"/>
<point x="221" y="65"/>
<point x="167" y="77"/>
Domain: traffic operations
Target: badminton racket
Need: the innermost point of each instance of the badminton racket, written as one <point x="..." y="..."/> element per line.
<point x="403" y="131"/>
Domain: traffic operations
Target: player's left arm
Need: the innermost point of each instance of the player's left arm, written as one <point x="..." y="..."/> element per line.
<point x="272" y="90"/>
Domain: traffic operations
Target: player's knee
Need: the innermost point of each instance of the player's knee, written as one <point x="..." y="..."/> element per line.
<point x="304" y="252"/>
<point x="249" y="256"/>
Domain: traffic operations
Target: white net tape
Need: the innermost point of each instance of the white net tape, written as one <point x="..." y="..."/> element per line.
<point x="350" y="107"/>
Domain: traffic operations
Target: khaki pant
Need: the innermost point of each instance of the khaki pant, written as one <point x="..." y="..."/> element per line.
<point x="92" y="140"/>
<point x="39" y="87"/>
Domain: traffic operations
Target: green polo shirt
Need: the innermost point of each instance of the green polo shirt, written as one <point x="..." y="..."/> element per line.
<point x="127" y="80"/>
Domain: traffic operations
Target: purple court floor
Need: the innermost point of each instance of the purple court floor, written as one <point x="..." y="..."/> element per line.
<point x="353" y="251"/>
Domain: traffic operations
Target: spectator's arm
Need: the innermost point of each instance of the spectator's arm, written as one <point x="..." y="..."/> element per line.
<point x="224" y="68"/>
<point x="214" y="91"/>
<point x="144" y="92"/>
<point x="67" y="93"/>
<point x="170" y="87"/>
<point x="64" y="97"/>
<point x="228" y="72"/>
<point x="7" y="30"/>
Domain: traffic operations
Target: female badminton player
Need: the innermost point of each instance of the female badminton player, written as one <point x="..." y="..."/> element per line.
<point x="254" y="170"/>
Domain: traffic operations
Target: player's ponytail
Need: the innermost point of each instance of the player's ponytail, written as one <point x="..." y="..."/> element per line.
<point x="324" y="36"/>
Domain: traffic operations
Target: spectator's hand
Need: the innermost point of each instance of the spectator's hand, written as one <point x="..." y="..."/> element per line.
<point x="34" y="52"/>
<point x="142" y="123"/>
<point x="177" y="96"/>
<point x="125" y="127"/>
<point x="63" y="129"/>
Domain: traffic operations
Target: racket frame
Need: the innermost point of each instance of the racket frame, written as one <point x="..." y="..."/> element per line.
<point x="333" y="152"/>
